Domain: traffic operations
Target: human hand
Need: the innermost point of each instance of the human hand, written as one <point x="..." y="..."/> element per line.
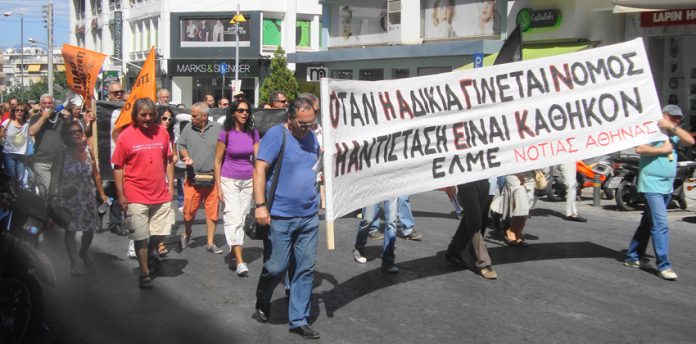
<point x="665" y="124"/>
<point x="667" y="147"/>
<point x="188" y="161"/>
<point x="262" y="216"/>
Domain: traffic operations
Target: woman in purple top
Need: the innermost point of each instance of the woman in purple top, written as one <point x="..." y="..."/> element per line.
<point x="234" y="155"/>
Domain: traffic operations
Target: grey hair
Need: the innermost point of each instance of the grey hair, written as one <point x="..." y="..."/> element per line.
<point x="299" y="104"/>
<point x="45" y="95"/>
<point x="309" y="96"/>
<point x="202" y="106"/>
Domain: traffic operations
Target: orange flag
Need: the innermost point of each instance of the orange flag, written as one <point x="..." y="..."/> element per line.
<point x="82" y="68"/>
<point x="145" y="87"/>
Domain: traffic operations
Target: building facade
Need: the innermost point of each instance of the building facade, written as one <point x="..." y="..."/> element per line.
<point x="30" y="68"/>
<point x="194" y="41"/>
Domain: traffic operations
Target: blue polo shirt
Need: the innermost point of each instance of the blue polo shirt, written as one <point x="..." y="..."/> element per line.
<point x="657" y="172"/>
<point x="296" y="194"/>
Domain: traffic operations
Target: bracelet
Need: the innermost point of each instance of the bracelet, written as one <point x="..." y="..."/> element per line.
<point x="259" y="205"/>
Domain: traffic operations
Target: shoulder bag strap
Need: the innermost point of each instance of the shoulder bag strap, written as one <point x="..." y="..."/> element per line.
<point x="276" y="173"/>
<point x="56" y="173"/>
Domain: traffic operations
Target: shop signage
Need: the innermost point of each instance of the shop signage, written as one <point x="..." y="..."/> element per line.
<point x="316" y="73"/>
<point x="118" y="35"/>
<point x="247" y="68"/>
<point x="532" y="19"/>
<point x="668" y="18"/>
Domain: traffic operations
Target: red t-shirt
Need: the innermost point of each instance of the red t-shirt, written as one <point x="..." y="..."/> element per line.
<point x="143" y="159"/>
<point x="5" y="116"/>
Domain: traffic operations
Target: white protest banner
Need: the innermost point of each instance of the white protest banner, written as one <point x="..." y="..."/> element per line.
<point x="383" y="139"/>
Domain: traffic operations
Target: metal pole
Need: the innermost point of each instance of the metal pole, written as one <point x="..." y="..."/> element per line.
<point x="21" y="68"/>
<point x="236" y="52"/>
<point x="50" y="47"/>
<point x="597" y="184"/>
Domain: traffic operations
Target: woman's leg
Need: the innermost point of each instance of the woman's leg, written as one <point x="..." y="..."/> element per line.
<point x="71" y="246"/>
<point x="517" y="226"/>
<point x="86" y="240"/>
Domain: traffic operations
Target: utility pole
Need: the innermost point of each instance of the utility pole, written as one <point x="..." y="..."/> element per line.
<point x="49" y="27"/>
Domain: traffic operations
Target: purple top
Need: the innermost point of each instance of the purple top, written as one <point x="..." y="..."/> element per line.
<point x="236" y="163"/>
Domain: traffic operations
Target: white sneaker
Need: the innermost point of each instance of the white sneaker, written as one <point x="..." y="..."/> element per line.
<point x="131" y="249"/>
<point x="357" y="255"/>
<point x="668" y="274"/>
<point x="242" y="270"/>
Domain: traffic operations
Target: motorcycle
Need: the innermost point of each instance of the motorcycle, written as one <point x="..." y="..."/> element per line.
<point x="22" y="265"/>
<point x="625" y="181"/>
<point x="586" y="175"/>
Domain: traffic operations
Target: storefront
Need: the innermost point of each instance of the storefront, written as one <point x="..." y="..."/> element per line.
<point x="204" y="47"/>
<point x="670" y="38"/>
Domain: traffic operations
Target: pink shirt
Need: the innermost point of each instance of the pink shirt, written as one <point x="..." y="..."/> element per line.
<point x="143" y="158"/>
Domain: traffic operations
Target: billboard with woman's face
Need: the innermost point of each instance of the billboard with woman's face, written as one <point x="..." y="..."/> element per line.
<point x="359" y="22"/>
<point x="212" y="32"/>
<point x="461" y="18"/>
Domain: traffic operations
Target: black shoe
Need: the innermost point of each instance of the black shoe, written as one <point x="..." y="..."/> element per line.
<point x="118" y="230"/>
<point x="456" y="259"/>
<point x="305" y="331"/>
<point x="262" y="312"/>
<point x="576" y="218"/>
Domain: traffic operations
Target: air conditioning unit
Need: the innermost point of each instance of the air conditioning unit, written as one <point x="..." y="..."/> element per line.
<point x="393" y="22"/>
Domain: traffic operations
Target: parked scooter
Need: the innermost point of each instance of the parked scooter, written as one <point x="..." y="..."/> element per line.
<point x="22" y="265"/>
<point x="587" y="173"/>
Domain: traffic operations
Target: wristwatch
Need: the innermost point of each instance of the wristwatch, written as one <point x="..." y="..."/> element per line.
<point x="259" y="205"/>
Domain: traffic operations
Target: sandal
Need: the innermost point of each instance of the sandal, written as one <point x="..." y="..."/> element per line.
<point x="146" y="282"/>
<point x="162" y="250"/>
<point x="512" y="243"/>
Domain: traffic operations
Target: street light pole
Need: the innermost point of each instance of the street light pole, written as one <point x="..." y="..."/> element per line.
<point x="49" y="17"/>
<point x="21" y="41"/>
<point x="236" y="51"/>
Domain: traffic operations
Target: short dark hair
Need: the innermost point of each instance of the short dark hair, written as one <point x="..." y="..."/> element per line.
<point x="297" y="105"/>
<point x="142" y="102"/>
<point x="66" y="131"/>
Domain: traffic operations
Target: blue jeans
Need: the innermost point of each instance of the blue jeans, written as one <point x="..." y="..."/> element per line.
<point x="16" y="167"/>
<point x="653" y="224"/>
<point x="369" y="214"/>
<point x="180" y="191"/>
<point x="296" y="236"/>
<point x="405" y="215"/>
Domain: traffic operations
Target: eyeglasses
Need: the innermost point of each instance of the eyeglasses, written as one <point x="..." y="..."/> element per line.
<point x="76" y="131"/>
<point x="306" y="125"/>
<point x="117" y="92"/>
<point x="166" y="118"/>
<point x="284" y="101"/>
<point x="19" y="110"/>
<point x="224" y="104"/>
<point x="242" y="111"/>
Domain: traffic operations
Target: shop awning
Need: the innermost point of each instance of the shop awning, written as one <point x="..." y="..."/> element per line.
<point x="530" y="52"/>
<point x="60" y="68"/>
<point x="33" y="68"/>
<point x="622" y="6"/>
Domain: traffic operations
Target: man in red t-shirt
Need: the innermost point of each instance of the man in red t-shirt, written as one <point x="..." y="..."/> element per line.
<point x="141" y="158"/>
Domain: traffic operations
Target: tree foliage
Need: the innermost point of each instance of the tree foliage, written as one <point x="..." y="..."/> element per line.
<point x="33" y="91"/>
<point x="281" y="78"/>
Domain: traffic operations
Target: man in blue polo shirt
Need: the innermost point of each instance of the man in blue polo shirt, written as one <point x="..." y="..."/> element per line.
<point x="293" y="214"/>
<point x="658" y="167"/>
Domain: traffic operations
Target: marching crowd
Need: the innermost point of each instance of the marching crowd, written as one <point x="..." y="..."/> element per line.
<point x="163" y="158"/>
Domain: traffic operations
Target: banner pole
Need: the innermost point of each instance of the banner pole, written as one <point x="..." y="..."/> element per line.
<point x="327" y="167"/>
<point x="330" y="236"/>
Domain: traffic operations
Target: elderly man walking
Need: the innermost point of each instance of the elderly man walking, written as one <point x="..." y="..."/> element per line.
<point x="144" y="172"/>
<point x="197" y="149"/>
<point x="293" y="214"/>
<point x="45" y="128"/>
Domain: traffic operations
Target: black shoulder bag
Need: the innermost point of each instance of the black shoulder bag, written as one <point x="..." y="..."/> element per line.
<point x="254" y="230"/>
<point x="57" y="210"/>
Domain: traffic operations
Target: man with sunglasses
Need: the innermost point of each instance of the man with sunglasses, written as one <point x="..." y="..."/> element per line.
<point x="115" y="214"/>
<point x="293" y="216"/>
<point x="658" y="167"/>
<point x="278" y="100"/>
<point x="115" y="91"/>
<point x="223" y="103"/>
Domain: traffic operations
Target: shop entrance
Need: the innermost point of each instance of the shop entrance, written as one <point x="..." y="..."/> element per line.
<point x="214" y="85"/>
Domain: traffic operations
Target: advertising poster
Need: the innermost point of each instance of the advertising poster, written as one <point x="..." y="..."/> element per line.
<point x="460" y="18"/>
<point x="212" y="32"/>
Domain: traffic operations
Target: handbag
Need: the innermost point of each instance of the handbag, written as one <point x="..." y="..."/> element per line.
<point x="203" y="179"/>
<point x="57" y="210"/>
<point x="540" y="181"/>
<point x="254" y="230"/>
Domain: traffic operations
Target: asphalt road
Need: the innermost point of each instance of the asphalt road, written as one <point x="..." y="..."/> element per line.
<point x="568" y="286"/>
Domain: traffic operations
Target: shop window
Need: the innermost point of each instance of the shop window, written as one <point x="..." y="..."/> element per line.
<point x="303" y="33"/>
<point x="342" y="74"/>
<point x="272" y="29"/>
<point x="371" y="74"/>
<point x="400" y="73"/>
<point x="433" y="70"/>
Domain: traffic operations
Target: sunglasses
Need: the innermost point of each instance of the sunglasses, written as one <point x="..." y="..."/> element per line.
<point x="282" y="101"/>
<point x="242" y="111"/>
<point x="76" y="131"/>
<point x="116" y="92"/>
<point x="224" y="104"/>
<point x="166" y="118"/>
<point x="306" y="125"/>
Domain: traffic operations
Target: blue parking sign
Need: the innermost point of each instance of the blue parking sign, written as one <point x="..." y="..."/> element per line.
<point x="478" y="60"/>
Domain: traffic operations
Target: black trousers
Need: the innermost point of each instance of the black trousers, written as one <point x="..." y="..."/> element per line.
<point x="473" y="197"/>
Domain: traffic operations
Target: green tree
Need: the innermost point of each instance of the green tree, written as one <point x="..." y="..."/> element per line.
<point x="281" y="78"/>
<point x="34" y="90"/>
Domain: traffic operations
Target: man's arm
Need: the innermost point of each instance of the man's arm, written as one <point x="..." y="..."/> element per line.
<point x="648" y="149"/>
<point x="36" y="127"/>
<point x="170" y="175"/>
<point x="118" y="180"/>
<point x="259" y="180"/>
